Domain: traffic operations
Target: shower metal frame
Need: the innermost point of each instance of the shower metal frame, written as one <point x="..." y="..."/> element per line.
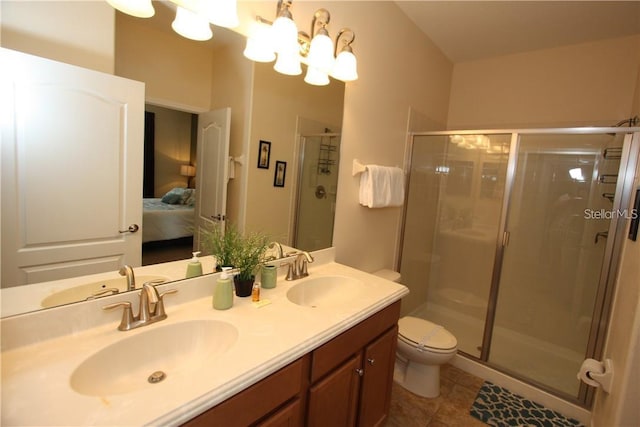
<point x="610" y="266"/>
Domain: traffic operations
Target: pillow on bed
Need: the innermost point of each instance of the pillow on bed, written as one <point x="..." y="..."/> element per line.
<point x="188" y="197"/>
<point x="173" y="197"/>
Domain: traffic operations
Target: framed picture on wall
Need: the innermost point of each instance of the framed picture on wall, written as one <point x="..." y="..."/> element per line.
<point x="281" y="171"/>
<point x="264" y="152"/>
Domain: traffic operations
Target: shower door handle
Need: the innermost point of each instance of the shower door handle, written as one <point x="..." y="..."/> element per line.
<point x="600" y="234"/>
<point x="505" y="238"/>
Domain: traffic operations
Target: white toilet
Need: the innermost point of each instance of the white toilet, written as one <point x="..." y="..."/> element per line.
<point x="422" y="347"/>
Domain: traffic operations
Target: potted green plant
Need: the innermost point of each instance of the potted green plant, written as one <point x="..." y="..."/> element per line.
<point x="232" y="248"/>
<point x="247" y="259"/>
<point x="221" y="244"/>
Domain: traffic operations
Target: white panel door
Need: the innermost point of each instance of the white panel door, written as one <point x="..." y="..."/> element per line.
<point x="213" y="170"/>
<point x="72" y="143"/>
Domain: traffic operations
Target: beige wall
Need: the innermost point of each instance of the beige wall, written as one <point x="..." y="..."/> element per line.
<point x="579" y="85"/>
<point x="176" y="71"/>
<point x="278" y="103"/>
<point x="231" y="83"/>
<point x="399" y="68"/>
<point x="78" y="33"/>
<point x="172" y="148"/>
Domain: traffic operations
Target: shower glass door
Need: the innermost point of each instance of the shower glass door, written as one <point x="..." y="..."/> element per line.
<point x="317" y="187"/>
<point x="454" y="204"/>
<point x="556" y="235"/>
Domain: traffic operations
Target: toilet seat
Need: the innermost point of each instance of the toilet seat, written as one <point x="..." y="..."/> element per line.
<point x="421" y="333"/>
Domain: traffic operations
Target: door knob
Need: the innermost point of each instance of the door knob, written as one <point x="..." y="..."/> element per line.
<point x="360" y="372"/>
<point x="131" y="229"/>
<point x="371" y="361"/>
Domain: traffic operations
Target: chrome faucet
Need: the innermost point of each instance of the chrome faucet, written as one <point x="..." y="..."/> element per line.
<point x="298" y="267"/>
<point x="278" y="248"/>
<point x="151" y="308"/>
<point x="127" y="271"/>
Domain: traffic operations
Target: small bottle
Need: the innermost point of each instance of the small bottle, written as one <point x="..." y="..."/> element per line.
<point x="223" y="294"/>
<point x="255" y="292"/>
<point x="194" y="268"/>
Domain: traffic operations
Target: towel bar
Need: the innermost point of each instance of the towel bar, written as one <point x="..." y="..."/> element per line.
<point x="358" y="167"/>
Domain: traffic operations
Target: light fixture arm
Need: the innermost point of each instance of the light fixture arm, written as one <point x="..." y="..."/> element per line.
<point x="347" y="36"/>
<point x="321" y="19"/>
<point x="283" y="8"/>
<point x="324" y="58"/>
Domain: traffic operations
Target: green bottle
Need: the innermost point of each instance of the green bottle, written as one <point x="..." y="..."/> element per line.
<point x="194" y="268"/>
<point x="223" y="294"/>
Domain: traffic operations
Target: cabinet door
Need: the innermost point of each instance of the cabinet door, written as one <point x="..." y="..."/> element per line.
<point x="375" y="397"/>
<point x="333" y="401"/>
<point x="289" y="416"/>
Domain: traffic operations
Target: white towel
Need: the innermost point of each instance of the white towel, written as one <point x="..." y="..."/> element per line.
<point x="381" y="186"/>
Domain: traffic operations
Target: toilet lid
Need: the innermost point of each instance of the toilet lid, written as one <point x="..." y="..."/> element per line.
<point x="424" y="333"/>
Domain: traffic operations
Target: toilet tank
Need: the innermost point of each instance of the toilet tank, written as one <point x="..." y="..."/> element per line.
<point x="394" y="276"/>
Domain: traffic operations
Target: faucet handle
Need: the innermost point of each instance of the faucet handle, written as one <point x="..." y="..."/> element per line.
<point x="290" y="270"/>
<point x="127" y="314"/>
<point x="159" y="312"/>
<point x="303" y="269"/>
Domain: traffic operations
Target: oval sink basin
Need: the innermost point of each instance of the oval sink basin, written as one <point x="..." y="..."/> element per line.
<point x="146" y="359"/>
<point x="91" y="290"/>
<point x="326" y="291"/>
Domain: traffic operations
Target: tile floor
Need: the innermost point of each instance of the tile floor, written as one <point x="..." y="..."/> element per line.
<point x="458" y="390"/>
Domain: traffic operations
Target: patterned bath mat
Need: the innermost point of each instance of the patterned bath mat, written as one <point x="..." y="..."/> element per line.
<point x="497" y="406"/>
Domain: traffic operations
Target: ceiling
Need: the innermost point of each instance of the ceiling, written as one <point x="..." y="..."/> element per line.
<point x="471" y="30"/>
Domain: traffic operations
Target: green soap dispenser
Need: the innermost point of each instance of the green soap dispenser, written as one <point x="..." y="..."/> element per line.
<point x="223" y="294"/>
<point x="194" y="268"/>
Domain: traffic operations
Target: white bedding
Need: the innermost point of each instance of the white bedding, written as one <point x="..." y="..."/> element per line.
<point x="162" y="221"/>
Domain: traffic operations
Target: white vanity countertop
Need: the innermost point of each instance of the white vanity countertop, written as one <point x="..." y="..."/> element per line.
<point x="36" y="376"/>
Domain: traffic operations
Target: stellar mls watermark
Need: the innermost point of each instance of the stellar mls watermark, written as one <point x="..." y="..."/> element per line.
<point x="610" y="214"/>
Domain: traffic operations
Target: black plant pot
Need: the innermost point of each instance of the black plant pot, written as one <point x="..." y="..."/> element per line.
<point x="243" y="287"/>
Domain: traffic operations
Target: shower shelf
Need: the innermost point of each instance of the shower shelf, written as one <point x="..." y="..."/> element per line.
<point x="609" y="196"/>
<point x="325" y="157"/>
<point x="613" y="153"/>
<point x="608" y="179"/>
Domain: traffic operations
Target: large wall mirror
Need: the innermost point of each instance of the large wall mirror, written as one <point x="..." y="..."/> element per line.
<point x="301" y="122"/>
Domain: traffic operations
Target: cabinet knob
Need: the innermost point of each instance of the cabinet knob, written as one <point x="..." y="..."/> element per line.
<point x="371" y="361"/>
<point x="360" y="372"/>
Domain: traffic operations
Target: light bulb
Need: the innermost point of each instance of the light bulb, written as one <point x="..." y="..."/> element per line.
<point x="288" y="62"/>
<point x="321" y="52"/>
<point x="284" y="33"/>
<point x="137" y="8"/>
<point x="191" y="25"/>
<point x="259" y="46"/>
<point x="345" y="66"/>
<point x="316" y="77"/>
<point x="223" y="13"/>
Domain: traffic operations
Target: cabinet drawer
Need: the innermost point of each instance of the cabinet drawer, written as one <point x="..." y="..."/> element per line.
<point x="260" y="399"/>
<point x="339" y="349"/>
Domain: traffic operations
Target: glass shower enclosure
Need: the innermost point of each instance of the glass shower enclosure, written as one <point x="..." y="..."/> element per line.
<point x="316" y="191"/>
<point x="510" y="241"/>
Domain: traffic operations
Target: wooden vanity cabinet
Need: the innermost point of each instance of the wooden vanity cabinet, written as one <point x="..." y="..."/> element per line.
<point x="352" y="375"/>
<point x="345" y="382"/>
<point x="276" y="401"/>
